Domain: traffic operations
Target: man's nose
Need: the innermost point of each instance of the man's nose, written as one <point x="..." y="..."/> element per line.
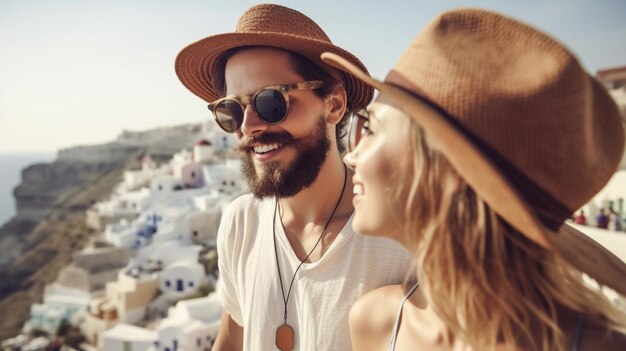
<point x="252" y="124"/>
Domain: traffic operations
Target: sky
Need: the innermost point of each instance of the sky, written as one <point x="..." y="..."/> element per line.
<point x="79" y="72"/>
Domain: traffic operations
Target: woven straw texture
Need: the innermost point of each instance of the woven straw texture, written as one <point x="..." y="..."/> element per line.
<point x="519" y="119"/>
<point x="266" y="25"/>
<point x="521" y="93"/>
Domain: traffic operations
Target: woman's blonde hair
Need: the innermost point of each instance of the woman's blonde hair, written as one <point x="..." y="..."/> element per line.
<point x="488" y="283"/>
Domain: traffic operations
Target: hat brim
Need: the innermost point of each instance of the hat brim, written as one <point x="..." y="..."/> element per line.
<point x="195" y="64"/>
<point x="582" y="252"/>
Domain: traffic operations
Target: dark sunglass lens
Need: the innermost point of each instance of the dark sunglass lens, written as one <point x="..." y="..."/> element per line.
<point x="270" y="105"/>
<point x="229" y="115"/>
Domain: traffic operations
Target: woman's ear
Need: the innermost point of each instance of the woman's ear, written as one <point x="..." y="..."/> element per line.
<point x="336" y="105"/>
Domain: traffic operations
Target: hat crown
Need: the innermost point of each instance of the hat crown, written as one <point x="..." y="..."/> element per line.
<point x="270" y="18"/>
<point x="524" y="97"/>
<point x="271" y="26"/>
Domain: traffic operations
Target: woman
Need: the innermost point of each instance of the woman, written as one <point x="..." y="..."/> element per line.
<point x="486" y="136"/>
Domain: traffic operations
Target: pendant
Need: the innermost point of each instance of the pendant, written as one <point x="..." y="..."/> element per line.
<point x="284" y="337"/>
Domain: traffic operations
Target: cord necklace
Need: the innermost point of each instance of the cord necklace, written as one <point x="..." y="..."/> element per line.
<point x="285" y="333"/>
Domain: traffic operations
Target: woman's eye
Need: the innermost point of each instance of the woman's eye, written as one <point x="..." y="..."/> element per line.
<point x="365" y="130"/>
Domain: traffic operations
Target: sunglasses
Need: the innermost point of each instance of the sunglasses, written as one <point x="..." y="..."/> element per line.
<point x="271" y="104"/>
<point x="359" y="127"/>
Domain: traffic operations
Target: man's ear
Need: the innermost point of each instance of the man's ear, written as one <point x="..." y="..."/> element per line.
<point x="336" y="105"/>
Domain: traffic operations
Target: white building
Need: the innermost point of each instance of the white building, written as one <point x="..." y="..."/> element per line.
<point x="191" y="325"/>
<point x="122" y="234"/>
<point x="165" y="184"/>
<point x="163" y="221"/>
<point x="224" y="178"/>
<point x="173" y="224"/>
<point x="203" y="151"/>
<point x="191" y="175"/>
<point x="123" y="205"/>
<point x="92" y="268"/>
<point x="125" y="337"/>
<point x="210" y="200"/>
<point x="182" y="278"/>
<point x="222" y="141"/>
<point x="179" y="160"/>
<point x="131" y="202"/>
<point x="60" y="304"/>
<point x="126" y="301"/>
<point x="203" y="226"/>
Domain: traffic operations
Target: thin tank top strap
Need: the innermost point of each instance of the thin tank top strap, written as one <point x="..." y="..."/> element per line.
<point x="577" y="332"/>
<point x="396" y="326"/>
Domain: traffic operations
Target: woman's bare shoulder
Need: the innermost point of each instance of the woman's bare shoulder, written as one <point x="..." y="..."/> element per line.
<point x="376" y="310"/>
<point x="372" y="317"/>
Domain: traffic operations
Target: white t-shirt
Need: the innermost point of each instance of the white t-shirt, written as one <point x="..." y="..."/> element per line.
<point x="322" y="292"/>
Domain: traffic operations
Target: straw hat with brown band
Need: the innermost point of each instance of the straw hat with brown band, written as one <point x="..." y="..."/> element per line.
<point x="274" y="26"/>
<point x="519" y="119"/>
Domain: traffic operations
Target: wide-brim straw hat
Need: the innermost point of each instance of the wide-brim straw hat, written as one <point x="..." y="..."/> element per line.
<point x="519" y="119"/>
<point x="267" y="25"/>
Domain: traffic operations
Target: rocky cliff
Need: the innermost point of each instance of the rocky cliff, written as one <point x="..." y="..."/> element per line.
<point x="51" y="201"/>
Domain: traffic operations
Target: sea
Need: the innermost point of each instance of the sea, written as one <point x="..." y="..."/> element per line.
<point x="11" y="166"/>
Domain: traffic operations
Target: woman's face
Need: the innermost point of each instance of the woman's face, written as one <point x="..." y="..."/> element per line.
<point x="382" y="152"/>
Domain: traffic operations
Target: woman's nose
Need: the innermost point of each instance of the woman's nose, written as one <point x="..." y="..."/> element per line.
<point x="350" y="159"/>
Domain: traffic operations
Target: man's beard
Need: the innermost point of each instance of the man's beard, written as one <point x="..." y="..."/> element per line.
<point x="300" y="173"/>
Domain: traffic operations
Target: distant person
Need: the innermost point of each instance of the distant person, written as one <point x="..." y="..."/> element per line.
<point x="581" y="219"/>
<point x="467" y="158"/>
<point x="602" y="220"/>
<point x="290" y="264"/>
<point x="615" y="221"/>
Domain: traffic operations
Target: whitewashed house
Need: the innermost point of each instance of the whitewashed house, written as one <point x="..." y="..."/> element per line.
<point x="67" y="299"/>
<point x="222" y="141"/>
<point x="135" y="179"/>
<point x="224" y="178"/>
<point x="165" y="184"/>
<point x="191" y="175"/>
<point x="174" y="251"/>
<point x="134" y="201"/>
<point x="60" y="304"/>
<point x="123" y="205"/>
<point x="126" y="301"/>
<point x="182" y="278"/>
<point x="122" y="234"/>
<point x="92" y="268"/>
<point x="207" y="201"/>
<point x="203" y="226"/>
<point x="166" y="220"/>
<point x="173" y="224"/>
<point x="203" y="151"/>
<point x="126" y="337"/>
<point x="179" y="160"/>
<point x="191" y="325"/>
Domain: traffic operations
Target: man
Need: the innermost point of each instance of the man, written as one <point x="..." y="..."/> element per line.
<point x="290" y="264"/>
<point x="602" y="220"/>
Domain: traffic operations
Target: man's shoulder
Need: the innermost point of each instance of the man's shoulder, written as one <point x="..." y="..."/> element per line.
<point x="246" y="203"/>
<point x="241" y="220"/>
